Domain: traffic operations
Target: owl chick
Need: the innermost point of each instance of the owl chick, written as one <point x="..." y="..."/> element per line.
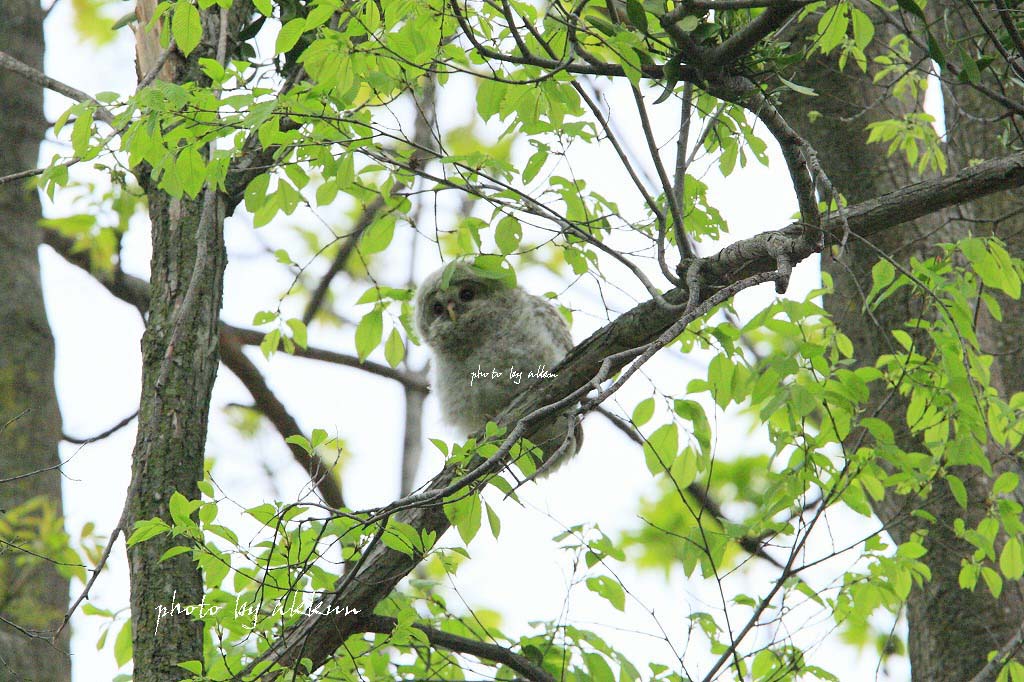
<point x="491" y="341"/>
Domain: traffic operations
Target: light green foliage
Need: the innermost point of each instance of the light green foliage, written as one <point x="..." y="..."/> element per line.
<point x="915" y="136"/>
<point x="339" y="142"/>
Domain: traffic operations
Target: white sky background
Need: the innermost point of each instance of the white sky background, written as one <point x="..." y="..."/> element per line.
<point x="523" y="575"/>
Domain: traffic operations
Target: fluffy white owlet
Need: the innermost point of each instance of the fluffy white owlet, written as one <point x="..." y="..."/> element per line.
<point x="490" y="342"/>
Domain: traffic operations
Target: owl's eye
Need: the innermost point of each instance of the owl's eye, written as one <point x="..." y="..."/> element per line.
<point x="466" y="295"/>
<point x="437" y="309"/>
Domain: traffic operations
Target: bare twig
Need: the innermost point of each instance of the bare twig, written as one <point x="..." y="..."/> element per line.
<point x="348" y="247"/>
<point x="103" y="434"/>
<point x="1008" y="651"/>
<point x="41" y="79"/>
<point x="253" y="337"/>
<point x="107" y="549"/>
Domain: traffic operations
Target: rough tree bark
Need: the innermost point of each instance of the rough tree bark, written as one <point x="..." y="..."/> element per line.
<point x="33" y="596"/>
<point x="951" y="630"/>
<point x="179" y="367"/>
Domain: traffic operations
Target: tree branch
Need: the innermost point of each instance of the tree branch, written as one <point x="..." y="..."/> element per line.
<point x="41" y="79"/>
<point x="253" y="337"/>
<point x="464" y="645"/>
<point x="268" y="404"/>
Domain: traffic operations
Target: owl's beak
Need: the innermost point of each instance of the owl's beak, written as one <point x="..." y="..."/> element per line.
<point x="451" y="310"/>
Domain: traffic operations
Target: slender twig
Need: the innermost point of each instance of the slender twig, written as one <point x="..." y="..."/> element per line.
<point x="46" y="12"/>
<point x="103" y="434"/>
<point x="996" y="42"/>
<point x="1011" y="28"/>
<point x="157" y="66"/>
<point x="666" y="185"/>
<point x="253" y="337"/>
<point x="107" y="549"/>
<point x="1008" y="651"/>
<point x="41" y="79"/>
<point x="698" y="491"/>
<point x="347" y="248"/>
<point x="679" y="177"/>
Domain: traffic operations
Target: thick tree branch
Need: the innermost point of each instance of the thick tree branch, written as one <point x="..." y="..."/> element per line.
<point x="741" y="42"/>
<point x="695" y="6"/>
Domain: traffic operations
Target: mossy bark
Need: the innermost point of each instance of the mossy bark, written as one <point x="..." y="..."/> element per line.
<point x="33" y="595"/>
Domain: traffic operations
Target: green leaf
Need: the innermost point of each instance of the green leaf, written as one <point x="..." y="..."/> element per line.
<point x="186" y="26"/>
<point x="956" y="486"/>
<point x="173" y="552"/>
<point x="298" y="328"/>
<point x="369" y="333"/>
<point x="194" y="667"/>
<point x="270" y="342"/>
<point x="289" y="35"/>
<point x="832" y="27"/>
<point x="493" y="520"/>
<point x="394" y="349"/>
<point x="689" y="23"/>
<point x="378" y="236"/>
<point x="935" y="51"/>
<point x="863" y="28"/>
<point x="802" y="89"/>
<point x="684" y="469"/>
<point x="597" y="668"/>
<point x="992" y="580"/>
<point x="534" y="164"/>
<point x="1007" y="482"/>
<point x="911" y="550"/>
<point x="144" y="530"/>
<point x="265" y="512"/>
<point x="508" y="234"/>
<point x="263" y="317"/>
<point x="123" y="644"/>
<point x="882" y="274"/>
<point x="1011" y="560"/>
<point x="661" y="447"/>
<point x="81" y="132"/>
<point x="191" y="170"/>
<point x="637" y="16"/>
<point x="465" y="515"/>
<point x="643" y="411"/>
<point x="609" y="589"/>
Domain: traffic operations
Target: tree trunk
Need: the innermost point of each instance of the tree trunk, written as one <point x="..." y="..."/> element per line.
<point x="180" y="359"/>
<point x="951" y="630"/>
<point x="33" y="595"/>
